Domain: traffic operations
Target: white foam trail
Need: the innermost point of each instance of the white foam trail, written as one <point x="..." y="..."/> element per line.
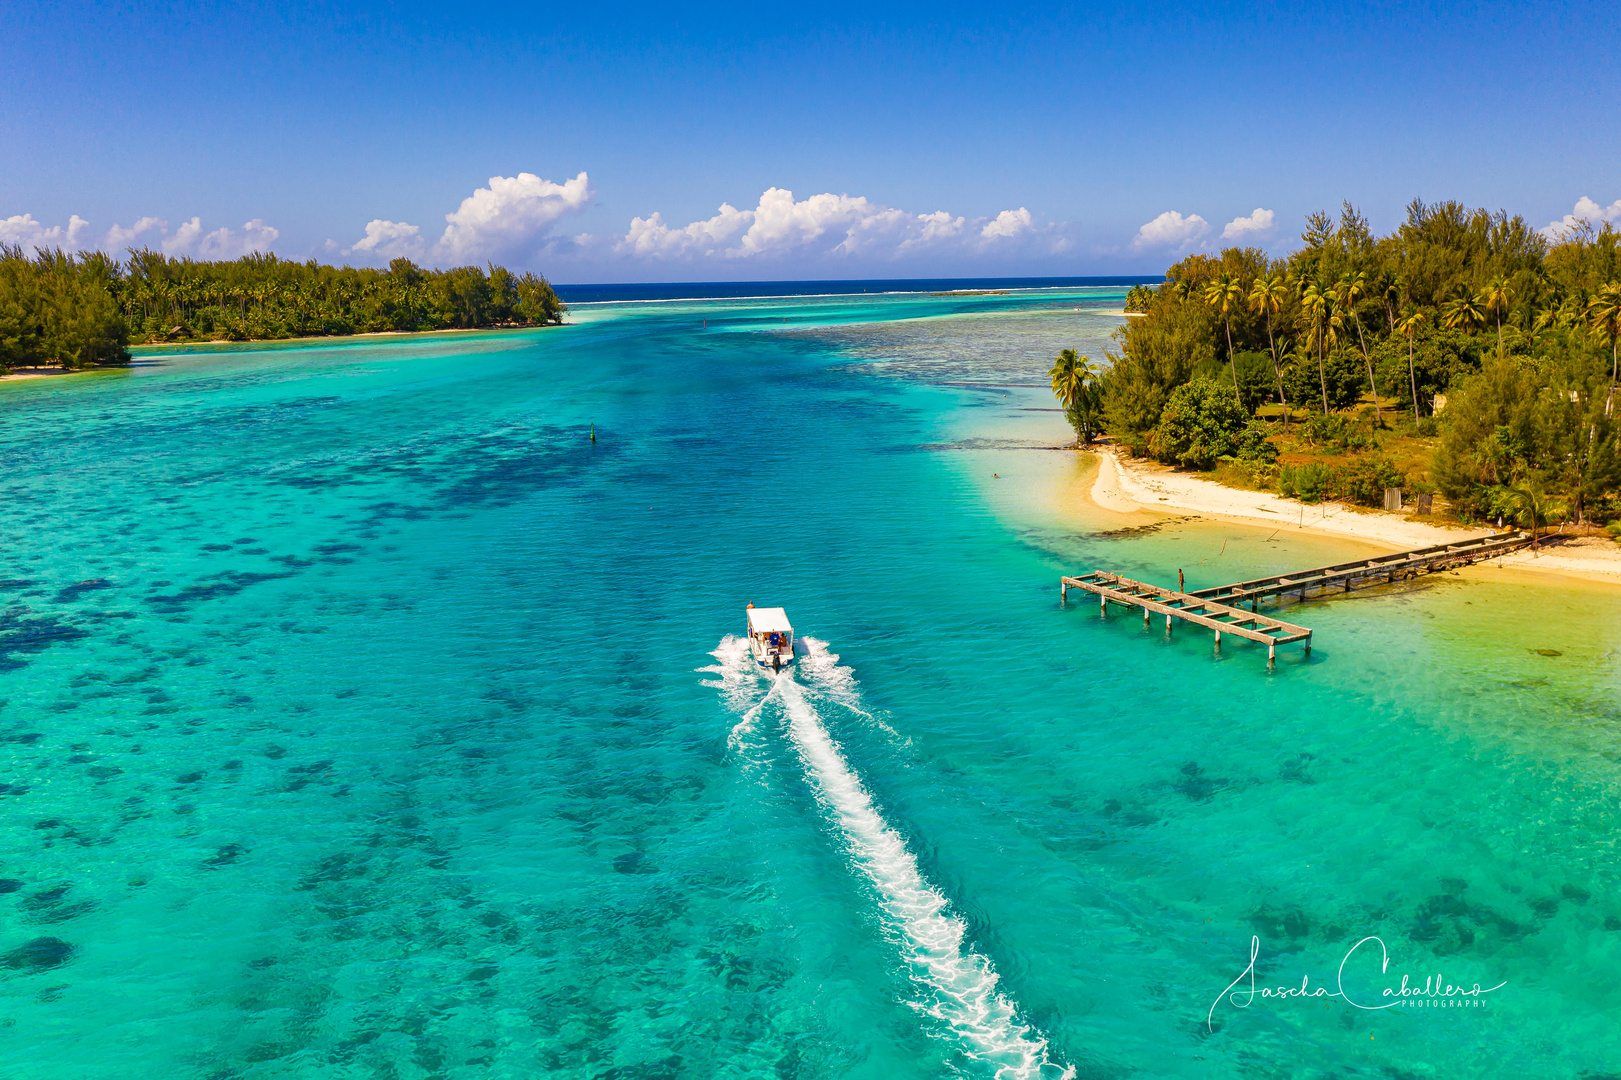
<point x="821" y="668"/>
<point x="739" y="686"/>
<point x="960" y="985"/>
<point x="737" y="682"/>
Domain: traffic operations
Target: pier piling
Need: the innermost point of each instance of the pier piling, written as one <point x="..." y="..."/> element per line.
<point x="1218" y="608"/>
<point x="1189" y="608"/>
<point x="1384" y="569"/>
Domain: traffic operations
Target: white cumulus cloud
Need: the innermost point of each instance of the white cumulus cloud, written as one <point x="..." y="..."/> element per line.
<point x="1171" y="230"/>
<point x="510" y="215"/>
<point x="934" y="228"/>
<point x="1258" y="224"/>
<point x="22" y="229"/>
<point x="651" y="236"/>
<point x="1008" y="223"/>
<point x="511" y="218"/>
<point x="119" y="238"/>
<point x="1586" y="211"/>
<point x="390" y="240"/>
<point x="782" y="224"/>
<point x="825" y="224"/>
<point x="191" y="241"/>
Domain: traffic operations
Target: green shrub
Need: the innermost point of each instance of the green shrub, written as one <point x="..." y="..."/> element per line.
<point x="1363" y="480"/>
<point x="1321" y="429"/>
<point x="1254" y="460"/>
<point x="1440" y="357"/>
<point x="1344" y="375"/>
<point x="1199" y="424"/>
<point x="1310" y="483"/>
<point x="1335" y="429"/>
<point x="1253" y="445"/>
<point x="1256" y="383"/>
<point x="1260" y="475"/>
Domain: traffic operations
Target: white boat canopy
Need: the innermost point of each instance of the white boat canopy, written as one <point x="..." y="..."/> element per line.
<point x="768" y="620"/>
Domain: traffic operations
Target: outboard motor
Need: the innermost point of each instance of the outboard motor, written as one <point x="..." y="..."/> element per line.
<point x="776" y="662"/>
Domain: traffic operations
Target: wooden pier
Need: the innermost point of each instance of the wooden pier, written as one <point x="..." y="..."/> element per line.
<point x="1187" y="607"/>
<point x="1344" y="577"/>
<point x="1217" y="608"/>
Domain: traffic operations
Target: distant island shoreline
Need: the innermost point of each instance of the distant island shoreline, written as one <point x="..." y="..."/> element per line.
<point x="210" y="344"/>
<point x="87" y="309"/>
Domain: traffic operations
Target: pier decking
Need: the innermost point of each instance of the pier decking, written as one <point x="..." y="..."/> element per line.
<point x="1216" y="608"/>
<point x="1349" y="575"/>
<point x="1187" y="607"/>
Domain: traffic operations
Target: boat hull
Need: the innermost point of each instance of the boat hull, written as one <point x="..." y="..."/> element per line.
<point x="771" y="660"/>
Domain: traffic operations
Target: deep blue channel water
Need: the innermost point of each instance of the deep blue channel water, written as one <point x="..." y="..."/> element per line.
<point x="361" y="717"/>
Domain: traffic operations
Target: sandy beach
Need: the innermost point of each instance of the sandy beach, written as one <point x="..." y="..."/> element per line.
<point x="155" y="347"/>
<point x="34" y="373"/>
<point x="1126" y="485"/>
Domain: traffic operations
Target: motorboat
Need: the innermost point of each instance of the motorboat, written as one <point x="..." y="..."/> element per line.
<point x="771" y="639"/>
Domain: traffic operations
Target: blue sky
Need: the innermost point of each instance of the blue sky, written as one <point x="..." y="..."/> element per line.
<point x="935" y="139"/>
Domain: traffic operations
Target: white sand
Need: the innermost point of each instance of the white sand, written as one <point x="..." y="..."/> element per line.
<point x="1125" y="485"/>
<point x="33" y="373"/>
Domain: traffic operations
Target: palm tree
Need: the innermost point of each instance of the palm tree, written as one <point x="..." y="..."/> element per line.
<point x="1463" y="313"/>
<point x="1408" y="327"/>
<point x="1604" y="315"/>
<point x="1267" y="295"/>
<point x="1349" y="289"/>
<point x="1074" y="385"/>
<point x="166" y="292"/>
<point x="1315" y="300"/>
<point x="1533" y="505"/>
<point x="1571" y="311"/>
<point x="1224" y="294"/>
<point x="1391" y="289"/>
<point x="1087" y="412"/>
<point x="1333" y="326"/>
<point x="1495" y="298"/>
<point x="1063" y="376"/>
<point x="1545" y="319"/>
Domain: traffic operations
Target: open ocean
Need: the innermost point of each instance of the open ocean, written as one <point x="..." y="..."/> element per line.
<point x="361" y="718"/>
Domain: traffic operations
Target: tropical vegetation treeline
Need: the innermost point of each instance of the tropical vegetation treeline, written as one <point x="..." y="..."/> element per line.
<point x="1463" y="331"/>
<point x="1138" y="297"/>
<point x="59" y="308"/>
<point x="86" y="309"/>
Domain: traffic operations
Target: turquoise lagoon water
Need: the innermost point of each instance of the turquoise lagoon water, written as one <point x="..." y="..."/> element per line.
<point x="363" y="718"/>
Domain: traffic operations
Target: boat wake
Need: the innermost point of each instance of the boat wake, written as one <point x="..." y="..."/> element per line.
<point x="820" y="666"/>
<point x="954" y="984"/>
<point x="738" y="684"/>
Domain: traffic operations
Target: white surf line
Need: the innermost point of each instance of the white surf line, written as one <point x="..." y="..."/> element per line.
<point x="960" y="985"/>
<point x="835" y="295"/>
